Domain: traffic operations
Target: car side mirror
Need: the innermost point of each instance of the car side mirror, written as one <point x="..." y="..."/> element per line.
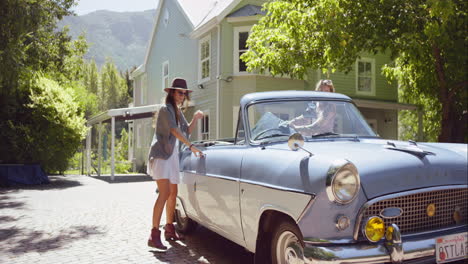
<point x="296" y="141"/>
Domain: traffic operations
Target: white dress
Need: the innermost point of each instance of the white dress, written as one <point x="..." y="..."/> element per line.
<point x="160" y="169"/>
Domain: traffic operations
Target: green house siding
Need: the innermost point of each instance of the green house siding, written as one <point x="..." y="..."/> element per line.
<point x="345" y="83"/>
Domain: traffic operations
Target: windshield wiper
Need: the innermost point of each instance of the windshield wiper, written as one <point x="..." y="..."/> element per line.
<point x="273" y="135"/>
<point x="324" y="134"/>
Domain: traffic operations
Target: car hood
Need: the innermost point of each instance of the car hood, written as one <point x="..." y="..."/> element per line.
<point x="393" y="166"/>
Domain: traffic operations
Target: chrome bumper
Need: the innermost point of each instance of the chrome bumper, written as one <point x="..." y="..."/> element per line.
<point x="410" y="249"/>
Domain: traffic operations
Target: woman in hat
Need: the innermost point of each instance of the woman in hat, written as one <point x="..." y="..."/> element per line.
<point x="163" y="164"/>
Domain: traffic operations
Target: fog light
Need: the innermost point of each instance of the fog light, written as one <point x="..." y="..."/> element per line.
<point x="374" y="229"/>
<point x="342" y="222"/>
<point x="389" y="233"/>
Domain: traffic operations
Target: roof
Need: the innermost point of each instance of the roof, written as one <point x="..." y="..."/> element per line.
<point x="248" y="10"/>
<point x="130" y="113"/>
<point x="203" y="15"/>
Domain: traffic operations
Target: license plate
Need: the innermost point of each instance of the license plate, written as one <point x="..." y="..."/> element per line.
<point x="452" y="247"/>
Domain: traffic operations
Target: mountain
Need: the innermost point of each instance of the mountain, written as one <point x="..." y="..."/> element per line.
<point x="123" y="36"/>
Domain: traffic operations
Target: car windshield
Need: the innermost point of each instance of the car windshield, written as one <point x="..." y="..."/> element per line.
<point x="313" y="119"/>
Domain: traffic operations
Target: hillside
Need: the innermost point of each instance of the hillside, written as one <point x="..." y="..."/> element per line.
<point x="123" y="36"/>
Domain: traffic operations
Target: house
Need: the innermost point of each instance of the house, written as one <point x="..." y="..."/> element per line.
<point x="201" y="41"/>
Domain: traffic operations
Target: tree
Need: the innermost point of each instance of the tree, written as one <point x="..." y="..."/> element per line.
<point x="426" y="38"/>
<point x="113" y="88"/>
<point x="39" y="67"/>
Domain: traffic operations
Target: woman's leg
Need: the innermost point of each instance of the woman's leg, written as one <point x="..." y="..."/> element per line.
<point x="169" y="229"/>
<point x="164" y="192"/>
<point x="155" y="237"/>
<point x="171" y="203"/>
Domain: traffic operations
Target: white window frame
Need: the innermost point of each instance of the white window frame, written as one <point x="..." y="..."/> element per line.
<point x="138" y="135"/>
<point x="372" y="62"/>
<point x="164" y="76"/>
<point x="238" y="30"/>
<point x="201" y="134"/>
<point x="144" y="89"/>
<point x="206" y="39"/>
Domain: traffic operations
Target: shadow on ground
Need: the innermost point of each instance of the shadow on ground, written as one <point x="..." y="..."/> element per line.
<point x="56" y="182"/>
<point x="123" y="178"/>
<point x="24" y="240"/>
<point x="205" y="246"/>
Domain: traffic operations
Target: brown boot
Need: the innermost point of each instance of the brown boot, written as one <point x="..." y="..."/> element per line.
<point x="170" y="233"/>
<point x="155" y="239"/>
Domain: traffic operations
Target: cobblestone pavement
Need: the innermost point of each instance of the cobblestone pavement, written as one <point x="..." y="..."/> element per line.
<point x="80" y="219"/>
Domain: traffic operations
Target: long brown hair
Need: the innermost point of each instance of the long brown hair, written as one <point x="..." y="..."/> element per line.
<point x="171" y="100"/>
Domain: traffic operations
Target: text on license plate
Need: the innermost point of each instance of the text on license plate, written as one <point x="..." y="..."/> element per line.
<point x="451" y="247"/>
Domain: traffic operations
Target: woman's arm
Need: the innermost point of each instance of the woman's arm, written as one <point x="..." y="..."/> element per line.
<point x="193" y="123"/>
<point x="180" y="136"/>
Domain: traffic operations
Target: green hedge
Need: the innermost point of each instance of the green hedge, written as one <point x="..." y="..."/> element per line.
<point x="47" y="129"/>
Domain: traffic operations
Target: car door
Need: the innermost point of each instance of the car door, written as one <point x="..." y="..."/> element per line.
<point x="216" y="190"/>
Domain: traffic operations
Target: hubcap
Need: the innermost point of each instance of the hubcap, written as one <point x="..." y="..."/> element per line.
<point x="289" y="249"/>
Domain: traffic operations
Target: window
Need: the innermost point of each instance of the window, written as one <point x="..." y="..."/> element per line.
<point x="204" y="126"/>
<point x="165" y="74"/>
<point x="239" y="125"/>
<point x="365" y="76"/>
<point x="204" y="55"/>
<point x="240" y="47"/>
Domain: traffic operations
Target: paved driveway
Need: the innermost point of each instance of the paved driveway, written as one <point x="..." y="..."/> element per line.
<point x="80" y="219"/>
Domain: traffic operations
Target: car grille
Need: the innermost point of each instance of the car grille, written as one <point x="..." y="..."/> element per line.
<point x="414" y="218"/>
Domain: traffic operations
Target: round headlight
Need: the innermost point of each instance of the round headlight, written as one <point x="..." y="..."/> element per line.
<point x="374" y="229"/>
<point x="342" y="182"/>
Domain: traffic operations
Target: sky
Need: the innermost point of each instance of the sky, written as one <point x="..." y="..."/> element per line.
<point x="88" y="6"/>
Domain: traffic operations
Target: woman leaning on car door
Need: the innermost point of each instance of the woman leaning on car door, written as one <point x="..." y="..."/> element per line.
<point x="163" y="159"/>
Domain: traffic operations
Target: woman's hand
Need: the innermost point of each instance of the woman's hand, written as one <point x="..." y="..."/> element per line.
<point x="196" y="151"/>
<point x="198" y="115"/>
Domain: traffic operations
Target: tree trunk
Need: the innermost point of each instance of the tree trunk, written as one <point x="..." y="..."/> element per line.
<point x="453" y="125"/>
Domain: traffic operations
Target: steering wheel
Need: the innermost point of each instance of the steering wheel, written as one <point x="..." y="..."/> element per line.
<point x="264" y="132"/>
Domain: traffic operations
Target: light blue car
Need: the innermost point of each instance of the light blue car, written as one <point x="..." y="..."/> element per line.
<point x="306" y="180"/>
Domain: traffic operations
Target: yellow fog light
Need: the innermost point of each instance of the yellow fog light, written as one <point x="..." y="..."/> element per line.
<point x="374" y="229"/>
<point x="389" y="233"/>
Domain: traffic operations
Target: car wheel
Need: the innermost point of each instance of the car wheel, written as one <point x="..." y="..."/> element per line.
<point x="184" y="225"/>
<point x="287" y="245"/>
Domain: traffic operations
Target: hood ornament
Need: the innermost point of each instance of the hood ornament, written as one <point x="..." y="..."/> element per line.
<point x="296" y="141"/>
<point x="412" y="148"/>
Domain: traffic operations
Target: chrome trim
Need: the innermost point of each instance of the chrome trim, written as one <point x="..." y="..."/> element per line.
<point x="266" y="185"/>
<point x="341" y="216"/>
<point x="395" y="246"/>
<point x="391" y="196"/>
<point x="318" y="241"/>
<point x="275" y="187"/>
<point x="334" y="169"/>
<point x="385" y="215"/>
<point x="306" y="209"/>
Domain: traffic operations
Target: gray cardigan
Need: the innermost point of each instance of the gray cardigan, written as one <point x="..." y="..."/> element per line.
<point x="163" y="140"/>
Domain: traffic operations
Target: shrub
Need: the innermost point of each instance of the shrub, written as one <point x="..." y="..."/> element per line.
<point x="55" y="128"/>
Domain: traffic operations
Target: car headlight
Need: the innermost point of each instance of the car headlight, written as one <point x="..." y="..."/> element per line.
<point x="343" y="182"/>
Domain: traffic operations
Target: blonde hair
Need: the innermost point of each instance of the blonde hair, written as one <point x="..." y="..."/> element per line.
<point x="324" y="82"/>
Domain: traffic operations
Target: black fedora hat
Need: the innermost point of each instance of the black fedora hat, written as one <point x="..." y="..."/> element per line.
<point x="178" y="84"/>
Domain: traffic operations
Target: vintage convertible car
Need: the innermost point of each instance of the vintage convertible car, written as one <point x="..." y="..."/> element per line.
<point x="338" y="196"/>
